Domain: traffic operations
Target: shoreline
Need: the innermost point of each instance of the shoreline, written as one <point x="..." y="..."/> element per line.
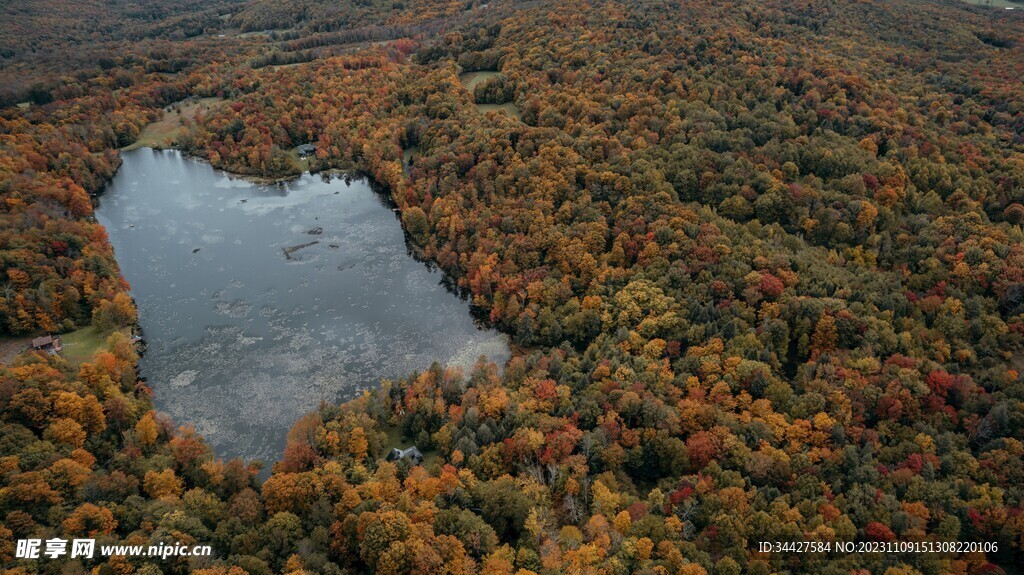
<point x="383" y="198"/>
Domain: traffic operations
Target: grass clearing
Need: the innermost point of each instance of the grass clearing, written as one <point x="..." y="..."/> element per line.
<point x="276" y="67"/>
<point x="396" y="439"/>
<point x="470" y="80"/>
<point x="303" y="163"/>
<point x="164" y="132"/>
<point x="407" y="156"/>
<point x="507" y="108"/>
<point x="82" y="344"/>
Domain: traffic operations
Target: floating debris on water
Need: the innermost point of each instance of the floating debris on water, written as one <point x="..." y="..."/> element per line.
<point x="291" y="250"/>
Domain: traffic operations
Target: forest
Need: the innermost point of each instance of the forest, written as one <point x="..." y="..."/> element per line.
<point x="762" y="261"/>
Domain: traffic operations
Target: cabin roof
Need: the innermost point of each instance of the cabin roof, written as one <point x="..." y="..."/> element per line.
<point x="42" y="341"/>
<point x="412" y="452"/>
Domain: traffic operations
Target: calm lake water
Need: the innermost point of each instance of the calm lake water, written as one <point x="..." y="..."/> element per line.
<point x="247" y="326"/>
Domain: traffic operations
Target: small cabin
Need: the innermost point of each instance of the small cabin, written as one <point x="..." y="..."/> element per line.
<point x="306" y="150"/>
<point x="47" y="343"/>
<point x="412" y="453"/>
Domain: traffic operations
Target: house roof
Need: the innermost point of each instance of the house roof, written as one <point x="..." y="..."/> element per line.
<point x="42" y="341"/>
<point x="397" y="453"/>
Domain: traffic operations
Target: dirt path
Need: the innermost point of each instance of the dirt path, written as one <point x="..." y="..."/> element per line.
<point x="12" y="346"/>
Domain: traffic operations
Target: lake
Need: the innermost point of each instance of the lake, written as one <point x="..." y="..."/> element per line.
<point x="259" y="301"/>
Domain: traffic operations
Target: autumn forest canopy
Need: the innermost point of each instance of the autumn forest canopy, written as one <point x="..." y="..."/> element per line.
<point x="762" y="262"/>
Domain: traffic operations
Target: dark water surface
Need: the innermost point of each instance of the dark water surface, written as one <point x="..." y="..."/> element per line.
<point x="243" y="338"/>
